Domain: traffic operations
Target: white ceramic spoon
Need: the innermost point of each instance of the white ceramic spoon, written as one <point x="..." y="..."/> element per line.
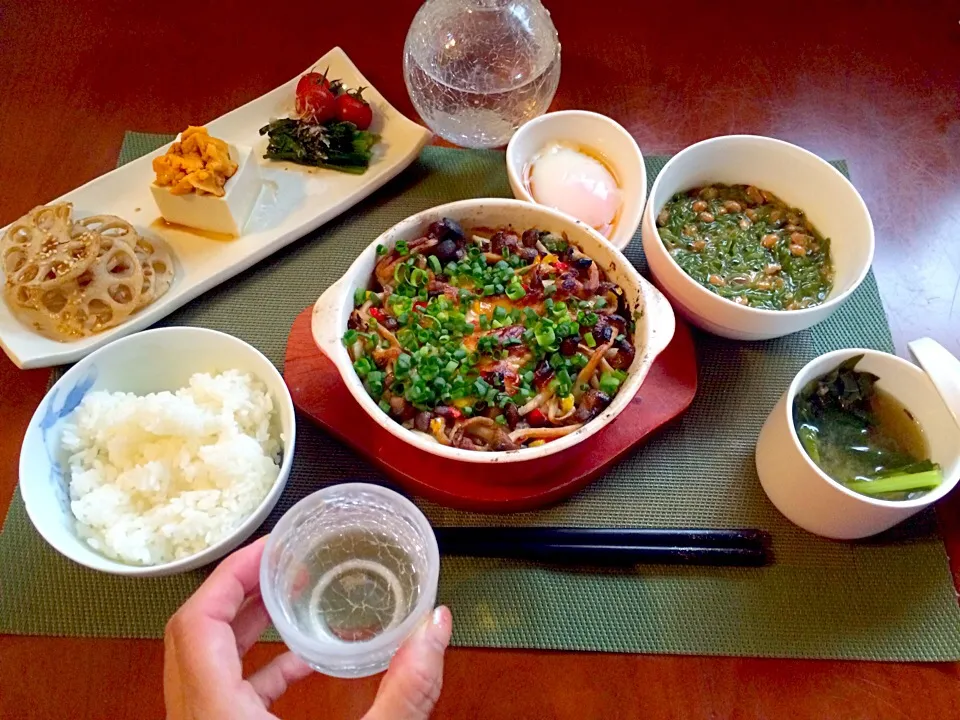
<point x="942" y="368"/>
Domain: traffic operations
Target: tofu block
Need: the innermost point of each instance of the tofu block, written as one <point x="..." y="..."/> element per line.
<point x="226" y="215"/>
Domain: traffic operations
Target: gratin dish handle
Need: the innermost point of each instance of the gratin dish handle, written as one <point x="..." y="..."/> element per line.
<point x="325" y="320"/>
<point x="660" y="317"/>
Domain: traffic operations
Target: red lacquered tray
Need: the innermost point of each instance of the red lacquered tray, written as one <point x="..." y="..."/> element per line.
<point x="318" y="391"/>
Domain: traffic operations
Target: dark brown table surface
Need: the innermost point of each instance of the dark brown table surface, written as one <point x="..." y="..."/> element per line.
<point x="876" y="83"/>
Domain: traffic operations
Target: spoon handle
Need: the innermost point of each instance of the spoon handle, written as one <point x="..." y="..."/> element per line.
<point x="943" y="370"/>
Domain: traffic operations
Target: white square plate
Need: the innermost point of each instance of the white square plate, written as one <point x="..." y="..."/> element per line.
<point x="295" y="200"/>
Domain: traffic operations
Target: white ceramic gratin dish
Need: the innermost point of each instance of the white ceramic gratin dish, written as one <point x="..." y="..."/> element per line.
<point x="294" y="201"/>
<point x="655" y="324"/>
<point x="161" y="359"/>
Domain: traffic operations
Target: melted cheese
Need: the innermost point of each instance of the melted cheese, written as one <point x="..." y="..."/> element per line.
<point x="486" y="306"/>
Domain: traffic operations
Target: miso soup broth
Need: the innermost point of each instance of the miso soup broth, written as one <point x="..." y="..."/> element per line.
<point x="863" y="437"/>
<point x="849" y="451"/>
<point x="899" y="425"/>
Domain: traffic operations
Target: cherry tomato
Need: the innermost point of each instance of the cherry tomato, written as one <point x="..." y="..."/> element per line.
<point x="352" y="108"/>
<point x="311" y="79"/>
<point x="316" y="104"/>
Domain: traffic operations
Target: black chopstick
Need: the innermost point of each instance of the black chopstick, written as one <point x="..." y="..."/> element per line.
<point x="609" y="546"/>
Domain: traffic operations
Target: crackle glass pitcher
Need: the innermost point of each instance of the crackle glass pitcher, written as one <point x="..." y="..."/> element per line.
<point x="476" y="70"/>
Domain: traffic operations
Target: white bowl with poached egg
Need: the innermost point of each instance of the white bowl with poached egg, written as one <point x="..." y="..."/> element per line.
<point x="583" y="164"/>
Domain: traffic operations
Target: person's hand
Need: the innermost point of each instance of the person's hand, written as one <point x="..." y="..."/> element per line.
<point x="206" y="638"/>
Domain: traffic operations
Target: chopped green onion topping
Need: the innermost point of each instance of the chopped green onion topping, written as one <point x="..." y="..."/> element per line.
<point x="545" y="337"/>
<point x="609" y="383"/>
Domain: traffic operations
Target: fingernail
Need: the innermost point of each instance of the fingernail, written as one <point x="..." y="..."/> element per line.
<point x="437" y="630"/>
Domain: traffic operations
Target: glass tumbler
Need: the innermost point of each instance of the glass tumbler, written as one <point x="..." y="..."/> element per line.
<point x="347" y="574"/>
<point x="476" y="70"/>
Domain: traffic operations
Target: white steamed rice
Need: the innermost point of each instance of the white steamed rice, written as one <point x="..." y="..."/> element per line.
<point x="159" y="477"/>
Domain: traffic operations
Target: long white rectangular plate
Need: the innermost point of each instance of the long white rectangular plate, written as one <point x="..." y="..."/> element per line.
<point x="294" y="201"/>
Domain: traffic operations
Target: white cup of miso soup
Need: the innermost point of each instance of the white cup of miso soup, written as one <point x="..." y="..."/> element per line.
<point x="845" y="505"/>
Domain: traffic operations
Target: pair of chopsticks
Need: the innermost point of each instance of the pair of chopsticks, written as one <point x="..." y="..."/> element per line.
<point x="609" y="546"/>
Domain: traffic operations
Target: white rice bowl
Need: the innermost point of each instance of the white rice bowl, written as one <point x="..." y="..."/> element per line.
<point x="164" y="476"/>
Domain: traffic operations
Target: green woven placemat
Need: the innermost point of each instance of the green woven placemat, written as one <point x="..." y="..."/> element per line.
<point x="891" y="598"/>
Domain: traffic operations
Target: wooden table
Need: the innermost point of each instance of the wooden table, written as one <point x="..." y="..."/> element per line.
<point x="875" y="83"/>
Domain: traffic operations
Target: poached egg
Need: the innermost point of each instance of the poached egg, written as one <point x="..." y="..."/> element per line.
<point x="577" y="183"/>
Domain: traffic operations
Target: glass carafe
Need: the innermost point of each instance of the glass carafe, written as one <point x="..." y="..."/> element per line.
<point x="476" y="70"/>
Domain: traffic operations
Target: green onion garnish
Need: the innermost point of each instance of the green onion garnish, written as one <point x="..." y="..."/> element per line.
<point x="609" y="383"/>
<point x="545" y="337"/>
<point x="515" y="291"/>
